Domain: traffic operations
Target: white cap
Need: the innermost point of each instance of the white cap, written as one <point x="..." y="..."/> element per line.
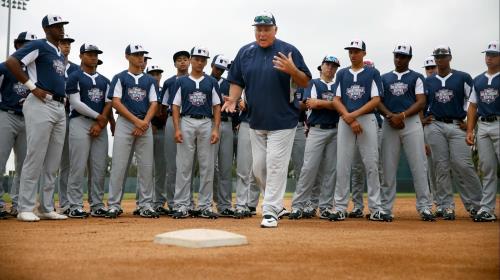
<point x="403" y="48"/>
<point x="200" y="51"/>
<point x="493" y="47"/>
<point x="135" y="48"/>
<point x="220" y="61"/>
<point x="356" y="44"/>
<point x="154" y="68"/>
<point x="429" y="61"/>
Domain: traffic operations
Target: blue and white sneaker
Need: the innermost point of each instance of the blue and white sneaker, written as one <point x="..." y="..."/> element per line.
<point x="269" y="221"/>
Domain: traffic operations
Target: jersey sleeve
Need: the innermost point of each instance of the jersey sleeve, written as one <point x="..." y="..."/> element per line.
<point x="115" y="89"/>
<point x="72" y="86"/>
<point x="235" y="75"/>
<point x="299" y="62"/>
<point x="28" y="53"/>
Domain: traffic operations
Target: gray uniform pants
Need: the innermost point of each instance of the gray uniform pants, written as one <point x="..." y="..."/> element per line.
<point x="45" y="130"/>
<point x="448" y="148"/>
<point x="411" y="137"/>
<point x="160" y="158"/>
<point x="12" y="136"/>
<point x="271" y="151"/>
<point x="223" y="184"/>
<point x="86" y="151"/>
<point x="62" y="187"/>
<point x="123" y="145"/>
<point x="196" y="135"/>
<point x="245" y="181"/>
<point x="299" y="144"/>
<point x="320" y="157"/>
<point x="366" y="143"/>
<point x="488" y="145"/>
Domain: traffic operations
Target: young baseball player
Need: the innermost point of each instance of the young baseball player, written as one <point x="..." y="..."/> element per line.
<point x="448" y="92"/>
<point x="223" y="183"/>
<point x="321" y="144"/>
<point x="485" y="106"/>
<point x="64" y="205"/>
<point x="135" y="99"/>
<point x="403" y="99"/>
<point x="181" y="63"/>
<point x="44" y="116"/>
<point x="13" y="136"/>
<point x="197" y="101"/>
<point x="357" y="95"/>
<point x="88" y="138"/>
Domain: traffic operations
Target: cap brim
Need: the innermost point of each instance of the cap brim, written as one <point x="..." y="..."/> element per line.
<point x="353" y="48"/>
<point x="63" y="22"/>
<point x="264" y="24"/>
<point x="156" y="70"/>
<point x="94" y="51"/>
<point x="403" y="53"/>
<point x="490" y="51"/>
<point x="71" y="40"/>
<point x="144" y="52"/>
<point x="200" y="56"/>
<point x="220" y="67"/>
<point x="99" y="62"/>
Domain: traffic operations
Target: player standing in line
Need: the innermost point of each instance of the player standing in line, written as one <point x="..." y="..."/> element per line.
<point x="44" y="117"/>
<point x="269" y="69"/>
<point x="485" y="102"/>
<point x="88" y="137"/>
<point x="357" y="96"/>
<point x="197" y="101"/>
<point x="62" y="189"/>
<point x="403" y="99"/>
<point x="223" y="183"/>
<point x="13" y="136"/>
<point x="135" y="99"/>
<point x="321" y="144"/>
<point x="448" y="92"/>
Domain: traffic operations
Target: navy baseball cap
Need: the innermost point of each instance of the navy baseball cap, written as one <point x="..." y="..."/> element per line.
<point x="356" y="44"/>
<point x="181" y="53"/>
<point x="134" y="48"/>
<point x="154" y="68"/>
<point x="90" y="48"/>
<point x="25" y="37"/>
<point x="331" y="59"/>
<point x="99" y="62"/>
<point x="221" y="62"/>
<point x="264" y="18"/>
<point x="493" y="48"/>
<point x="200" y="51"/>
<point x="404" y="49"/>
<point x="67" y="38"/>
<point x="50" y="20"/>
<point x="441" y="50"/>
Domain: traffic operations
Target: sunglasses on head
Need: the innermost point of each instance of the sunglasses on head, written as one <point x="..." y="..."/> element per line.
<point x="264" y="20"/>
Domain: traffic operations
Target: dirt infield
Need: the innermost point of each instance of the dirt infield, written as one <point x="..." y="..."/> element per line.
<point x="306" y="249"/>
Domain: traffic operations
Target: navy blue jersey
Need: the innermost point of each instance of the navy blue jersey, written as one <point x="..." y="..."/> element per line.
<point x="485" y="94"/>
<point x="45" y="65"/>
<point x="169" y="89"/>
<point x="70" y="68"/>
<point x="299" y="97"/>
<point x="12" y="92"/>
<point x="270" y="92"/>
<point x="135" y="91"/>
<point x="319" y="89"/>
<point x="224" y="91"/>
<point x="400" y="89"/>
<point x="93" y="90"/>
<point x="448" y="95"/>
<point x="197" y="96"/>
<point x="355" y="89"/>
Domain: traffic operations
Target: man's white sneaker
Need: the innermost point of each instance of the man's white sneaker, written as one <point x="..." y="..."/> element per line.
<point x="269" y="221"/>
<point x="52" y="216"/>
<point x="27" y="217"/>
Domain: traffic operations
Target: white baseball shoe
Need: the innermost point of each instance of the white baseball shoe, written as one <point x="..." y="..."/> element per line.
<point x="52" y="216"/>
<point x="269" y="221"/>
<point x="27" y="217"/>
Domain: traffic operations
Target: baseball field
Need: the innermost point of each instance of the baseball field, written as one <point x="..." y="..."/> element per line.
<point x="97" y="248"/>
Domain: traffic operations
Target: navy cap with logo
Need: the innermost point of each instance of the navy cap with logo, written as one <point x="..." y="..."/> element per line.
<point x="67" y="38"/>
<point x="356" y="44"/>
<point x="154" y="68"/>
<point x="25" y="37"/>
<point x="404" y="49"/>
<point x="200" y="51"/>
<point x="221" y="62"/>
<point x="429" y="62"/>
<point x="441" y="50"/>
<point x="135" y="48"/>
<point x="493" y="48"/>
<point x="181" y="53"/>
<point x="264" y="18"/>
<point x="331" y="59"/>
<point x="90" y="48"/>
<point x="50" y="20"/>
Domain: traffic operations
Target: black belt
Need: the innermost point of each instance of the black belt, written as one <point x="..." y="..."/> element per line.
<point x="325" y="126"/>
<point x="199" y="117"/>
<point x="489" y="119"/>
<point x="226" y="119"/>
<point x="59" y="99"/>
<point x="13" y="112"/>
<point x="447" y="120"/>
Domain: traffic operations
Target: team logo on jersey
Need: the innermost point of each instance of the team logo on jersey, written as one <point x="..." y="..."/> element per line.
<point x="298" y="95"/>
<point x="398" y="89"/>
<point x="444" y="95"/>
<point x="95" y="95"/>
<point x="136" y="94"/>
<point x="197" y="98"/>
<point x="355" y="92"/>
<point x="59" y="67"/>
<point x="488" y="95"/>
<point x="327" y="95"/>
<point x="20" y="89"/>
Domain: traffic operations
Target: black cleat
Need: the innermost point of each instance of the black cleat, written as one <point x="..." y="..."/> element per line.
<point x="449" y="214"/>
<point x="162" y="211"/>
<point x="484" y="216"/>
<point x="379" y="216"/>
<point x="78" y="213"/>
<point x="149" y="213"/>
<point x="180" y="214"/>
<point x="194" y="213"/>
<point x="227" y="213"/>
<point x="3" y="214"/>
<point x="101" y="212"/>
<point x="296" y="214"/>
<point x="337" y="216"/>
<point x="208" y="214"/>
<point x="112" y="213"/>
<point x="356" y="213"/>
<point x="426" y="215"/>
<point x="253" y="211"/>
<point x="239" y="214"/>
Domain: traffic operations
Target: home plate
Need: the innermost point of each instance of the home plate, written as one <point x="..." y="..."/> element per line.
<point x="200" y="238"/>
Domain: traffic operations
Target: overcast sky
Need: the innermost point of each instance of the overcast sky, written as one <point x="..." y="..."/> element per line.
<point x="316" y="28"/>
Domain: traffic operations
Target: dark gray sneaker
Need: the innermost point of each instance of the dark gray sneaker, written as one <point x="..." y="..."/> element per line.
<point x="484" y="216"/>
<point x="149" y="213"/>
<point x="356" y="213"/>
<point x="379" y="216"/>
<point x="296" y="214"/>
<point x="180" y="214"/>
<point x="426" y="215"/>
<point x="78" y="214"/>
<point x="101" y="212"/>
<point x="449" y="214"/>
<point x="337" y="216"/>
<point x="112" y="213"/>
<point x="325" y="215"/>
